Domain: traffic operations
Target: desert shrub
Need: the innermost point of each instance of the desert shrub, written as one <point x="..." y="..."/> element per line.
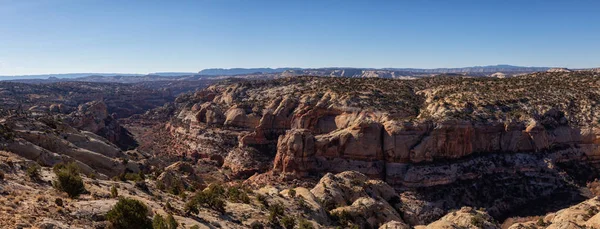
<point x="288" y="222"/>
<point x="195" y="227"/>
<point x="257" y="225"/>
<point x="262" y="199"/>
<point x="540" y="222"/>
<point x="129" y="214"/>
<point x="343" y="218"/>
<point x="292" y="193"/>
<point x="478" y="221"/>
<point x="58" y="202"/>
<point x="68" y="180"/>
<point x="171" y="222"/>
<point x="33" y="172"/>
<point x="141" y="185"/>
<point x="303" y="205"/>
<point x="158" y="222"/>
<point x="168" y="207"/>
<point x="1" y="175"/>
<point x="211" y="197"/>
<point x="238" y="195"/>
<point x="305" y="224"/>
<point x="114" y="193"/>
<point x="191" y="207"/>
<point x="275" y="212"/>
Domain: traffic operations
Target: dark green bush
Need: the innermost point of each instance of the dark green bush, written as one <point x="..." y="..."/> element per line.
<point x="292" y="193"/>
<point x="276" y="211"/>
<point x="211" y="197"/>
<point x="305" y="224"/>
<point x="158" y="222"/>
<point x="113" y="192"/>
<point x="33" y="172"/>
<point x="478" y="221"/>
<point x="257" y="225"/>
<point x="68" y="180"/>
<point x="288" y="222"/>
<point x="129" y="214"/>
<point x="238" y="195"/>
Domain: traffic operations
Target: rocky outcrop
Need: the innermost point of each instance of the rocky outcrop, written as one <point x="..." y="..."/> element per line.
<point x="466" y="217"/>
<point x="583" y="215"/>
<point x="366" y="201"/>
<point x="93" y="117"/>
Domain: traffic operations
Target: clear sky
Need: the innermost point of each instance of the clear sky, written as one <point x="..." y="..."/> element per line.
<point x="127" y="36"/>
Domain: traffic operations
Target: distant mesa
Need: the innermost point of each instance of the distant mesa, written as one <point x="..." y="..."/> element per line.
<point x="559" y="70"/>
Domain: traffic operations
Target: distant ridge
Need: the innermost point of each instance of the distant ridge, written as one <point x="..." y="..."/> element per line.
<point x="475" y="69"/>
<point x="241" y="71"/>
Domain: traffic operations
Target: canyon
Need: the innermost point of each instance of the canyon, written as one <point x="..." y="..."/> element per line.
<point x="435" y="152"/>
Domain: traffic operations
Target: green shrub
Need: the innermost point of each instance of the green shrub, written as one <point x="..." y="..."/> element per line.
<point x="478" y="221"/>
<point x="238" y="195"/>
<point x="262" y="199"/>
<point x="288" y="222"/>
<point x="305" y="224"/>
<point x="58" y="202"/>
<point x="343" y="218"/>
<point x="211" y="197"/>
<point x="129" y="214"/>
<point x="292" y="193"/>
<point x="257" y="225"/>
<point x="191" y="207"/>
<point x="114" y="193"/>
<point x="68" y="180"/>
<point x="158" y="222"/>
<point x="33" y="172"/>
<point x="171" y="222"/>
<point x="195" y="227"/>
<point x="276" y="211"/>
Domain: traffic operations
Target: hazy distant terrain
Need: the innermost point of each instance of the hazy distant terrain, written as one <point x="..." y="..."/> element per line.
<point x="270" y="73"/>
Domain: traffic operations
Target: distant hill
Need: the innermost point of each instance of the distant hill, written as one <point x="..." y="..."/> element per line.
<point x="80" y="75"/>
<point x="241" y="71"/>
<point x="353" y="72"/>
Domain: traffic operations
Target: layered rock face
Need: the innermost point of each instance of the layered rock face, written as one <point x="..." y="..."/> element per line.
<point x="420" y="136"/>
<point x="93" y="117"/>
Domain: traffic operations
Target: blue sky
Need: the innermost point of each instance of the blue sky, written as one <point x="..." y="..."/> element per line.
<point x="61" y="36"/>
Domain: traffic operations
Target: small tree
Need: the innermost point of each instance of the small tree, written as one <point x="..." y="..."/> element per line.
<point x="171" y="222"/>
<point x="68" y="180"/>
<point x="129" y="214"/>
<point x="211" y="197"/>
<point x="113" y="192"/>
<point x="305" y="224"/>
<point x="158" y="222"/>
<point x="288" y="222"/>
<point x="34" y="172"/>
<point x="275" y="212"/>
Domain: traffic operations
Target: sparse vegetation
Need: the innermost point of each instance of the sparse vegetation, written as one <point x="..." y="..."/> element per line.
<point x="114" y="193"/>
<point x="238" y="195"/>
<point x="33" y="172"/>
<point x="276" y="211"/>
<point x="304" y="224"/>
<point x="288" y="222"/>
<point x="68" y="179"/>
<point x="477" y="220"/>
<point x="212" y="197"/>
<point x="129" y="214"/>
